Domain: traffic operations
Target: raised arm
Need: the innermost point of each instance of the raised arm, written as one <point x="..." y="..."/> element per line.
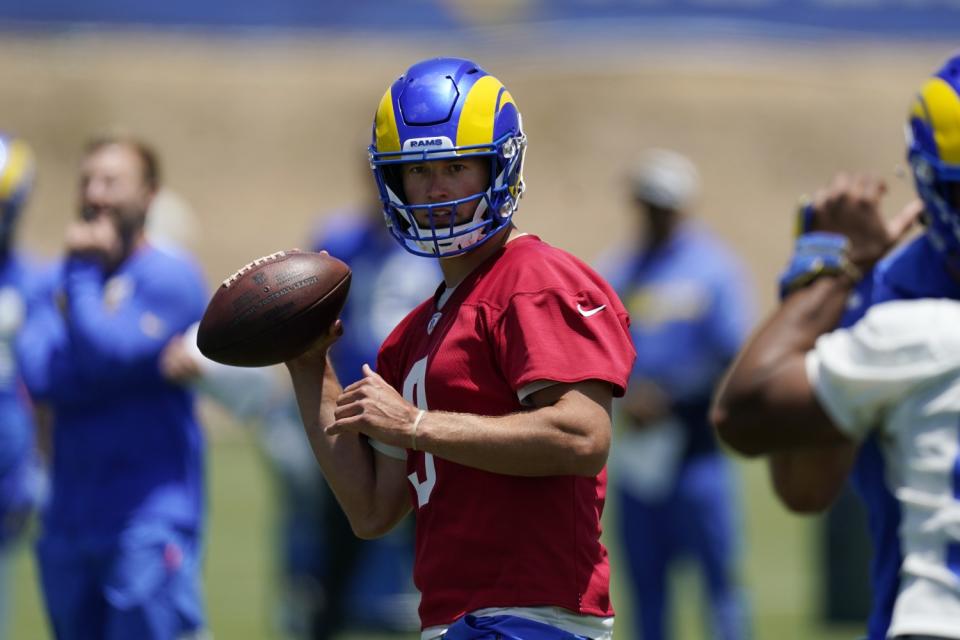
<point x="371" y="487"/>
<point x="565" y="432"/>
<point x="75" y="350"/>
<point x="766" y="403"/>
<point x="119" y="345"/>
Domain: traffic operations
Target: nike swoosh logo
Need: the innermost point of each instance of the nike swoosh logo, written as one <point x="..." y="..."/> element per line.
<point x="591" y="312"/>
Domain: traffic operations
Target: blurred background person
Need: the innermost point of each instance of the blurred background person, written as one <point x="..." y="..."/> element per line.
<point x="691" y="307"/>
<point x="120" y="552"/>
<point x="22" y="478"/>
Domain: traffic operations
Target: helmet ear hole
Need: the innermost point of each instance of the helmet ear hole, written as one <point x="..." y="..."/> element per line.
<point x="951" y="193"/>
<point x="393" y="176"/>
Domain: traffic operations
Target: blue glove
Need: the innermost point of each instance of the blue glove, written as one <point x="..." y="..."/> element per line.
<point x="816" y="254"/>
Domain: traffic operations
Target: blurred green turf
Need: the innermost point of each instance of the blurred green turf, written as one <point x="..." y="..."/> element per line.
<point x="779" y="570"/>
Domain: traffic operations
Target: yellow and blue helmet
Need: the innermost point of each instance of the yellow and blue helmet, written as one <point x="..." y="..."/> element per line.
<point x="440" y="109"/>
<point x="933" y="149"/>
<point x="16" y="182"/>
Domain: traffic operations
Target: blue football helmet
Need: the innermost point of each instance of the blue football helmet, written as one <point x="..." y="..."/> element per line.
<point x="933" y="149"/>
<point x="440" y="109"/>
<point x="16" y="182"/>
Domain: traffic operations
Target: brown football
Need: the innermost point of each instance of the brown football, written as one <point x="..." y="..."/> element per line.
<point x="272" y="309"/>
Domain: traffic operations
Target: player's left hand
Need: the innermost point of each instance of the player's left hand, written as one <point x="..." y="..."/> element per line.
<point x="96" y="238"/>
<point x="851" y="206"/>
<point x="374" y="408"/>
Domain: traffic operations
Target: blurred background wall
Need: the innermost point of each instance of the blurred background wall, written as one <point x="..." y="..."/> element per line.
<point x="260" y="127"/>
<point x="261" y="113"/>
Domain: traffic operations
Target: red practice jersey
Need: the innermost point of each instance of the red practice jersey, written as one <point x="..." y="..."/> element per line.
<point x="531" y="313"/>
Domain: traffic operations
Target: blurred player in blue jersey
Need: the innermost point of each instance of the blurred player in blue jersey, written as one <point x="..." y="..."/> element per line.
<point x="691" y="307"/>
<point x="120" y="552"/>
<point x="21" y="477"/>
<point x="808" y="477"/>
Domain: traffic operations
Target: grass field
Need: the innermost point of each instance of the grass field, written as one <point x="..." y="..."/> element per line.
<point x="779" y="571"/>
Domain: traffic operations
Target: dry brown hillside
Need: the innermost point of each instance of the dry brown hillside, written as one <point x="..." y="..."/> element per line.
<point x="260" y="135"/>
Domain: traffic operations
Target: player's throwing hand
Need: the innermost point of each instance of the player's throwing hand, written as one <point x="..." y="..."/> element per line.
<point x="372" y="407"/>
<point x="851" y="206"/>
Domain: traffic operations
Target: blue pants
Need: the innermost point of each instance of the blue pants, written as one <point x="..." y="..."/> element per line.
<point x="142" y="583"/>
<point x="697" y="518"/>
<point x="504" y="628"/>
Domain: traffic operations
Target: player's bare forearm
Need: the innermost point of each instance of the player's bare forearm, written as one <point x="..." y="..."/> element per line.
<point x="809" y="480"/>
<point x="369" y="487"/>
<point x="570" y="437"/>
<point x="316" y="386"/>
<point x="765" y="402"/>
<point x="566" y="433"/>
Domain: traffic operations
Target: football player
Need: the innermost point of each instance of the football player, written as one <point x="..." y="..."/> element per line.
<point x="120" y="552"/>
<point x="876" y="399"/>
<point x="489" y="411"/>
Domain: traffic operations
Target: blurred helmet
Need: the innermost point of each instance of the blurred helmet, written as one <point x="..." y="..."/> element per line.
<point x="665" y="179"/>
<point x="16" y="182"/>
<point x="440" y="109"/>
<point x="933" y="149"/>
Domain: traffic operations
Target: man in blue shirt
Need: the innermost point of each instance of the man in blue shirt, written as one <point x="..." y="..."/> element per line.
<point x="690" y="309"/>
<point x="21" y="477"/>
<point x="121" y="545"/>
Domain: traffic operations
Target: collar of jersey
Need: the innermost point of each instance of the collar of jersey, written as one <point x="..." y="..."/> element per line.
<point x="917" y="270"/>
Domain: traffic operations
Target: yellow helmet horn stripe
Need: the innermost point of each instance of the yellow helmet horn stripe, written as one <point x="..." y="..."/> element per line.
<point x="486" y="98"/>
<point x="939" y="105"/>
<point x="16" y="167"/>
<point x="388" y="137"/>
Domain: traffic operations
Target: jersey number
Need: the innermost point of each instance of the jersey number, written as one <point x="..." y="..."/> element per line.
<point x="415" y="392"/>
